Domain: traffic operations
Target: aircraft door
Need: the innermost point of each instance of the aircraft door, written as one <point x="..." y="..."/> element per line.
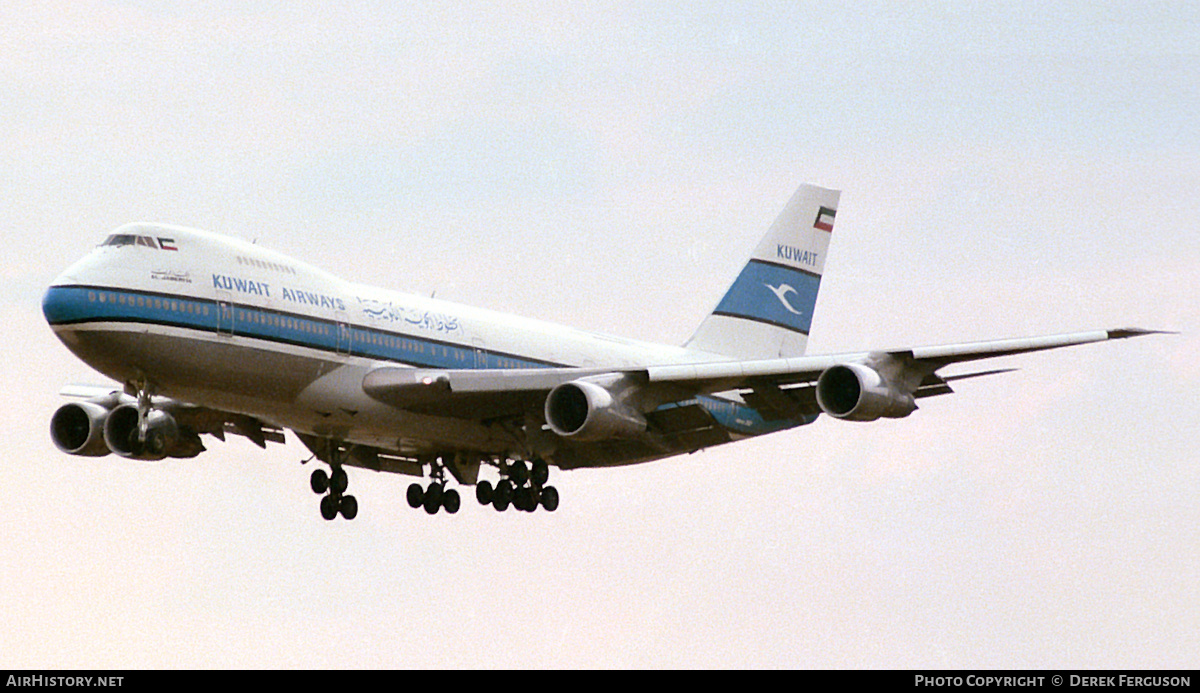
<point x="225" y="313"/>
<point x="481" y="360"/>
<point x="344" y="338"/>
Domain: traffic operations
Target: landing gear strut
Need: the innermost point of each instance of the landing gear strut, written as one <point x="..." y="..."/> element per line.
<point x="141" y="440"/>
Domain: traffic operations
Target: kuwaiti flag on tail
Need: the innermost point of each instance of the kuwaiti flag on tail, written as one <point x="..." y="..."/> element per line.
<point x="824" y="220"/>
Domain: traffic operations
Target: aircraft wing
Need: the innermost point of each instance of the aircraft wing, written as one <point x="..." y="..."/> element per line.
<point x="778" y="388"/>
<point x="715" y="377"/>
<point x="468" y="393"/>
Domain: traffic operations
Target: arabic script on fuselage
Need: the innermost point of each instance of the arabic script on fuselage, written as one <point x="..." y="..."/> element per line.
<point x="417" y="317"/>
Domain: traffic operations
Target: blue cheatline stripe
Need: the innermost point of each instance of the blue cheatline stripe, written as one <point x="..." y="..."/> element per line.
<point x="75" y="305"/>
<point x="72" y="305"/>
<point x="773" y="294"/>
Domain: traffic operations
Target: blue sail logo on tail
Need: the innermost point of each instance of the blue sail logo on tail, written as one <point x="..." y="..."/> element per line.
<point x="781" y="293"/>
<point x="795" y="293"/>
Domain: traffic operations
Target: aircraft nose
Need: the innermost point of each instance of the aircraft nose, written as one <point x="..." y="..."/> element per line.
<point x="62" y="302"/>
<point x="58" y="305"/>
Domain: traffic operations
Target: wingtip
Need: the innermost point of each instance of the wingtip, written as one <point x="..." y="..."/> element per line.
<point x="1126" y="332"/>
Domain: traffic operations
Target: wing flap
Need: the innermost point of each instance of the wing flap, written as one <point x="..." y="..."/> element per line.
<point x="777" y="404"/>
<point x="689" y="426"/>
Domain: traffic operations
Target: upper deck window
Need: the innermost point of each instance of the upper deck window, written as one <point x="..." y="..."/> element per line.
<point x="263" y="264"/>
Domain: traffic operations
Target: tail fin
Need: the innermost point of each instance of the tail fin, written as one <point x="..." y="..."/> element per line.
<point x="768" y="310"/>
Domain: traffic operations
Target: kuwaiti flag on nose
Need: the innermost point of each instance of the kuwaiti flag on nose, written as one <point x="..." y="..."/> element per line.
<point x="824" y="220"/>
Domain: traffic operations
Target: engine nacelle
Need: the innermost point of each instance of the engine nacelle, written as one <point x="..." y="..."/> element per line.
<point x="163" y="437"/>
<point x="77" y="428"/>
<point x="583" y="410"/>
<point x="856" y="392"/>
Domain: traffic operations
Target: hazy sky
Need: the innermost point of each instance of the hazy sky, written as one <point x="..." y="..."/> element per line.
<point x="1007" y="171"/>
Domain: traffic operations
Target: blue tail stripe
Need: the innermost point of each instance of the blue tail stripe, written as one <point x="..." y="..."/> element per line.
<point x="774" y="294"/>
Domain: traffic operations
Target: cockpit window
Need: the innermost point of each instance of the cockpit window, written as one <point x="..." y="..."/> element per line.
<point x="121" y="239"/>
<point x="131" y="239"/>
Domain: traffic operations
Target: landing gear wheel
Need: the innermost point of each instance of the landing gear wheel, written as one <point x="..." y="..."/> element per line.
<point x="483" y="492"/>
<point x="319" y="481"/>
<point x="503" y="495"/>
<point x="550" y="498"/>
<point x="451" y="501"/>
<point x="519" y="472"/>
<point x="433" y="499"/>
<point x="329" y="507"/>
<point x="338" y="480"/>
<point x="416" y="496"/>
<point x="523" y="500"/>
<point x="539" y="473"/>
<point x="349" y="507"/>
<point x="135" y="445"/>
<point x="156" y="443"/>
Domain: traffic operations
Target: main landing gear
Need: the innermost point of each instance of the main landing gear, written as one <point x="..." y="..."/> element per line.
<point x="522" y="484"/>
<point x="335" y="501"/>
<point x="436" y="497"/>
<point x="523" y="487"/>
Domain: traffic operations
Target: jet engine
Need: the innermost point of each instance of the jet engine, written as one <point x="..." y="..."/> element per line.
<point x="856" y="392"/>
<point x="77" y="428"/>
<point x="163" y="436"/>
<point x="584" y="410"/>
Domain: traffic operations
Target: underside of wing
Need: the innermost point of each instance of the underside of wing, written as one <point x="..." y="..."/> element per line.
<point x="105" y="419"/>
<point x="671" y="406"/>
<point x="468" y="394"/>
<point x="793" y="402"/>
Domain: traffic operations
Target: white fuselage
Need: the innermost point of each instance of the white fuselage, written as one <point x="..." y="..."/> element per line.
<point x="226" y="324"/>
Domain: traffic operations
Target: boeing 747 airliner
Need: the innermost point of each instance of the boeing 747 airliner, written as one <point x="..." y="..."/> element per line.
<point x="208" y="335"/>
